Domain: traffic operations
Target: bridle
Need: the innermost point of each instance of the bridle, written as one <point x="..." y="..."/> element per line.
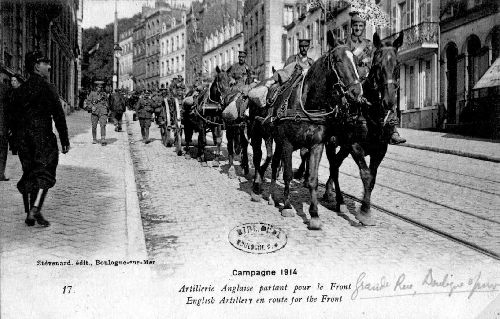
<point x="374" y="82"/>
<point x="341" y="87"/>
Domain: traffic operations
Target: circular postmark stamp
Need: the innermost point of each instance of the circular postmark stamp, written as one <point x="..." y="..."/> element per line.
<point x="257" y="238"/>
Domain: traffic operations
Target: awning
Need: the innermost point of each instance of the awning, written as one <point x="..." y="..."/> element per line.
<point x="491" y="78"/>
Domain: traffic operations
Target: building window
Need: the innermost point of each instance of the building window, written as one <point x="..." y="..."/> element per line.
<point x="412" y="89"/>
<point x="428" y="84"/>
<point x="288" y="15"/>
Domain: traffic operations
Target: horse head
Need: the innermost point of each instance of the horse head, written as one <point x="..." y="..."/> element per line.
<point x="342" y="69"/>
<point x="220" y="85"/>
<point x="385" y="71"/>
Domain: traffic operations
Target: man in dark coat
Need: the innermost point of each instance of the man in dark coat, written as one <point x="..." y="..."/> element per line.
<point x="144" y="109"/>
<point x="117" y="107"/>
<point x="4" y="145"/>
<point x="38" y="152"/>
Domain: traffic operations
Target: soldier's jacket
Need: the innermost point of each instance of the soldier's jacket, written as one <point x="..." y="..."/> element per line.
<point x="144" y="107"/>
<point x="305" y="63"/>
<point x="177" y="89"/>
<point x="363" y="52"/>
<point x="117" y="102"/>
<point x="97" y="102"/>
<point x="239" y="72"/>
<point x="157" y="101"/>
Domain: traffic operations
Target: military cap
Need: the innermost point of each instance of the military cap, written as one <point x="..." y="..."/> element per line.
<point x="304" y="42"/>
<point x="33" y="58"/>
<point x="242" y="53"/>
<point x="357" y="17"/>
<point x="99" y="83"/>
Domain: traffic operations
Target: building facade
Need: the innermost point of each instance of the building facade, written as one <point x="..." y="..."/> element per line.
<point x="173" y="48"/>
<point x="221" y="48"/>
<point x="470" y="43"/>
<point x="265" y="34"/>
<point x="51" y="28"/>
<point x="126" y="60"/>
<point x="139" y="56"/>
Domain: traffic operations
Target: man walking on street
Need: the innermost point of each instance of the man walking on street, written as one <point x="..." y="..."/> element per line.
<point x="4" y="145"/>
<point x="97" y="105"/>
<point x="38" y="150"/>
<point x="144" y="110"/>
<point x="117" y="106"/>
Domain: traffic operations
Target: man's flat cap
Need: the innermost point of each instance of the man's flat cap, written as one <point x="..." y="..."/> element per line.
<point x="242" y="53"/>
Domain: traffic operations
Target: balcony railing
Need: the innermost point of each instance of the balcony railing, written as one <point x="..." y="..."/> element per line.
<point x="416" y="36"/>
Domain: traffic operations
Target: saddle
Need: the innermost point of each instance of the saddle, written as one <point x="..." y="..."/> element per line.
<point x="279" y="94"/>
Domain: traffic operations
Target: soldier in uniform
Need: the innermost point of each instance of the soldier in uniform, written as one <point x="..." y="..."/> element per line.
<point x="363" y="52"/>
<point x="156" y="101"/>
<point x="37" y="144"/>
<point x="144" y="110"/>
<point x="301" y="58"/>
<point x="177" y="87"/>
<point x="97" y="105"/>
<point x="239" y="71"/>
<point x="117" y="106"/>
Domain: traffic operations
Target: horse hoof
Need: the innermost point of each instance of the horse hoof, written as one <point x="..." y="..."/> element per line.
<point x="169" y="144"/>
<point x="366" y="219"/>
<point x="288" y="212"/>
<point x="255" y="197"/>
<point x="315" y="224"/>
<point x="215" y="164"/>
<point x="179" y="153"/>
<point x="343" y="209"/>
<point x="270" y="201"/>
<point x="328" y="197"/>
<point x="231" y="172"/>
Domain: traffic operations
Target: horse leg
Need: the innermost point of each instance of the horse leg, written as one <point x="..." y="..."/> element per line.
<point x="375" y="160"/>
<point x="230" y="152"/>
<point x="314" y="160"/>
<point x="276" y="161"/>
<point x="288" y="210"/>
<point x="258" y="176"/>
<point x="202" y="142"/>
<point x="364" y="215"/>
<point x="244" y="151"/>
<point x="269" y="156"/>
<point x="188" y="130"/>
<point x="217" y="136"/>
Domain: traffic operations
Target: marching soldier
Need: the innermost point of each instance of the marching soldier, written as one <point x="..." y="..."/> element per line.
<point x="157" y="100"/>
<point x="362" y="49"/>
<point x="144" y="112"/>
<point x="97" y="105"/>
<point x="177" y="87"/>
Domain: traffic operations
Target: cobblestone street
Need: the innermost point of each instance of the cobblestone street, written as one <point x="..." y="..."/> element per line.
<point x="188" y="211"/>
<point x="131" y="201"/>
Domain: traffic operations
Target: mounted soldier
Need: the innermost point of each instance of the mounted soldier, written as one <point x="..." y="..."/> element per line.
<point x="240" y="71"/>
<point x="362" y="49"/>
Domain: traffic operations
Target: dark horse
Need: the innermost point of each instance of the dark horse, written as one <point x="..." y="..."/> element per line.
<point x="234" y="103"/>
<point x="380" y="89"/>
<point x="308" y="120"/>
<point x="206" y="115"/>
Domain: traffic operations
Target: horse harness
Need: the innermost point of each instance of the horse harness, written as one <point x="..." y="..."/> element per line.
<point x="299" y="115"/>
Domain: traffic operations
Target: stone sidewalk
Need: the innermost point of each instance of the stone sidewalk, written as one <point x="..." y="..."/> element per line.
<point x="448" y="143"/>
<point x="94" y="214"/>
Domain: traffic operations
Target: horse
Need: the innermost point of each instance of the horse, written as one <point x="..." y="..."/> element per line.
<point x="380" y="89"/>
<point x="205" y="115"/>
<point x="234" y="103"/>
<point x="307" y="118"/>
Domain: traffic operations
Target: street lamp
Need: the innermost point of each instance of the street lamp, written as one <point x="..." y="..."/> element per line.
<point x="118" y="52"/>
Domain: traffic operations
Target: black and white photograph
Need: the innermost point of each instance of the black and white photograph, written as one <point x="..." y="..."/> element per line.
<point x="263" y="159"/>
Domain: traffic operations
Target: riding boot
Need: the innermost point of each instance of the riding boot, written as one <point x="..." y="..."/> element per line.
<point x="103" y="136"/>
<point x="146" y="135"/>
<point x="30" y="220"/>
<point x="94" y="135"/>
<point x="35" y="211"/>
<point x="143" y="134"/>
<point x="395" y="137"/>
